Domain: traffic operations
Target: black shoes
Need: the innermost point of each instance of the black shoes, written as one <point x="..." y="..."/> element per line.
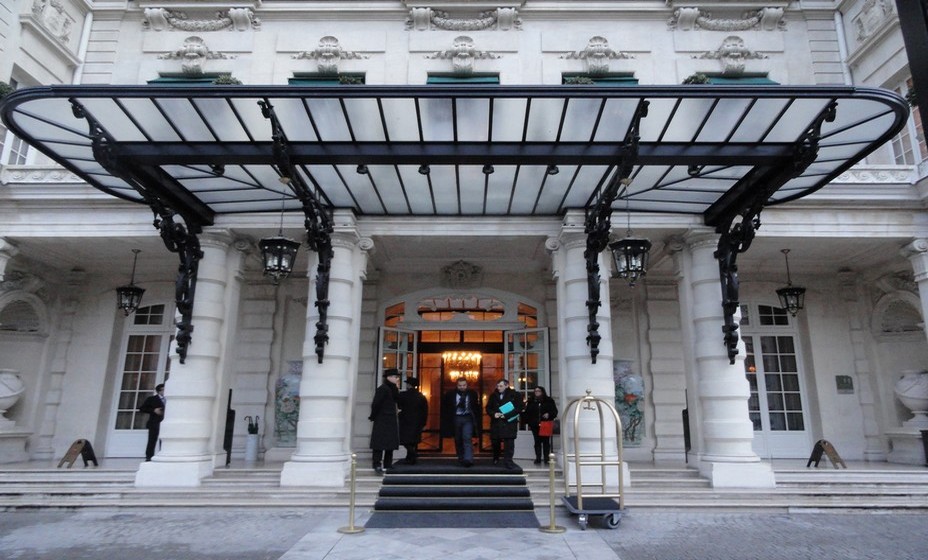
<point x="495" y="461"/>
<point x="379" y="470"/>
<point x="510" y="466"/>
<point x="538" y="461"/>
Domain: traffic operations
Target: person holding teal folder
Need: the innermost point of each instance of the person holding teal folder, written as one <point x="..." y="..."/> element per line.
<point x="504" y="407"/>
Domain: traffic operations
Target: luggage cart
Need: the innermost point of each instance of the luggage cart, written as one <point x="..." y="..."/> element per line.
<point x="583" y="503"/>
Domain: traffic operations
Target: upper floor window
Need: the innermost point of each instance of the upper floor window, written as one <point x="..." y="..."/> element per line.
<point x="340" y="79"/>
<point x="599" y="79"/>
<point x="468" y="79"/>
<point x="909" y="145"/>
<point x="13" y="150"/>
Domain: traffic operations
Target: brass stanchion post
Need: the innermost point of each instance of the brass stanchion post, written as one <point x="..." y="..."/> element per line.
<point x="351" y="529"/>
<point x="551" y="528"/>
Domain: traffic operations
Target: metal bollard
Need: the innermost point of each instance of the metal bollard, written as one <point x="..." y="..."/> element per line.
<point x="551" y="528"/>
<point x="351" y="529"/>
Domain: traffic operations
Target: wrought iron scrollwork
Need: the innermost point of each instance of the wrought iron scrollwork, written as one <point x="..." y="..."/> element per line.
<point x="598" y="224"/>
<point x="318" y="223"/>
<point x="180" y="238"/>
<point x="739" y="225"/>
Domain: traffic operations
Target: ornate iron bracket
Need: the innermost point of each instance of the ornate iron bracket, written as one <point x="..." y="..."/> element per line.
<point x="180" y="238"/>
<point x="737" y="235"/>
<point x="318" y="223"/>
<point x="598" y="224"/>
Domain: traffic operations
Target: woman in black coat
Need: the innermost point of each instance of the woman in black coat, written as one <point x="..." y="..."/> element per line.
<point x="541" y="407"/>
<point x="385" y="434"/>
<point x="504" y="425"/>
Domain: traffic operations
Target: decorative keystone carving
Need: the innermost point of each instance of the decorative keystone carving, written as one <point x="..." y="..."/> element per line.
<point x="192" y="55"/>
<point x="461" y="274"/>
<point x="873" y="14"/>
<point x="732" y="54"/>
<point x="462" y="54"/>
<point x="502" y="19"/>
<point x="53" y="17"/>
<point x="239" y="19"/>
<point x="765" y="19"/>
<point x="596" y="55"/>
<point x="329" y="53"/>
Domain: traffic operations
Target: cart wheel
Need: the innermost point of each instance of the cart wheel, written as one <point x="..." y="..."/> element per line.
<point x="583" y="520"/>
<point x="612" y="520"/>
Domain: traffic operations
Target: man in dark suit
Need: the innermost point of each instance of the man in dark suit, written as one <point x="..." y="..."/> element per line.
<point x="460" y="417"/>
<point x="414" y="414"/>
<point x="503" y="407"/>
<point x="154" y="407"/>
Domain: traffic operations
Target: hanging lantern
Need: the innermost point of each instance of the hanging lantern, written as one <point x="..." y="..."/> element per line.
<point x="631" y="256"/>
<point x="129" y="297"/>
<point x="792" y="298"/>
<point x="278" y="254"/>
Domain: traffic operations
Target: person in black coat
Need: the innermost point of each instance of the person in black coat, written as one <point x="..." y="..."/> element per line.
<point x="460" y="417"/>
<point x="154" y="407"/>
<point x="414" y="413"/>
<point x="385" y="434"/>
<point x="540" y="407"/>
<point x="504" y="425"/>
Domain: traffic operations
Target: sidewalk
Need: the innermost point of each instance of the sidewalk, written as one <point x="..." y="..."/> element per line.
<point x="308" y="534"/>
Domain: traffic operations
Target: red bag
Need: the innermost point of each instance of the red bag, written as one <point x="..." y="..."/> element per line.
<point x="546" y="428"/>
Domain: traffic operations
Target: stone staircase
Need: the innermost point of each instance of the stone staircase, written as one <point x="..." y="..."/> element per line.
<point x="654" y="489"/>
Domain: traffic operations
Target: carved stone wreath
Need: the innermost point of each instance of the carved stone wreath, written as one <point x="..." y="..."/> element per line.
<point x="422" y="18"/>
<point x="239" y="19"/>
<point x="765" y="19"/>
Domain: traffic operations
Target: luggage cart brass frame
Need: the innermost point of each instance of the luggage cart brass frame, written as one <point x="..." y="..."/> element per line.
<point x="601" y="504"/>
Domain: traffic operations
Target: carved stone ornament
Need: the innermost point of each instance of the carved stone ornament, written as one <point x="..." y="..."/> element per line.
<point x="53" y="17"/>
<point x="732" y="54"/>
<point x="765" y="19"/>
<point x="897" y="282"/>
<point x="596" y="55"/>
<point x="239" y="19"/>
<point x="329" y="53"/>
<point x="502" y="19"/>
<point x="873" y="15"/>
<point x="462" y="54"/>
<point x="461" y="275"/>
<point x="192" y="55"/>
<point x="17" y="280"/>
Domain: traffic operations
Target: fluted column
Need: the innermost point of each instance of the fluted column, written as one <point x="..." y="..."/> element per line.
<point x="322" y="454"/>
<point x="190" y="439"/>
<point x="578" y="373"/>
<point x="917" y="253"/>
<point x="723" y="426"/>
<point x="7" y="252"/>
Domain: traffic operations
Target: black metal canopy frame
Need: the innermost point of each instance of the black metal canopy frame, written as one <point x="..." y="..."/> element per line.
<point x="192" y="153"/>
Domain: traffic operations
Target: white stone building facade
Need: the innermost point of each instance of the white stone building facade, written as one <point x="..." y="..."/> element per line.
<point x="859" y="246"/>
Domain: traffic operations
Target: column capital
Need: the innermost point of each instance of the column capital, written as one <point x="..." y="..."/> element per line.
<point x="915" y="248"/>
<point x="220" y="238"/>
<point x="700" y="238"/>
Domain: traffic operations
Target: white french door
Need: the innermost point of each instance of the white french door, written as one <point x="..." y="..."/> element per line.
<point x="144" y="364"/>
<point x="778" y="403"/>
<point x="397" y="350"/>
<point x="527" y="360"/>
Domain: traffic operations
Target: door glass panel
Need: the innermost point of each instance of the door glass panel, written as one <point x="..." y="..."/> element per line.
<point x="750" y="371"/>
<point x="397" y="350"/>
<point x="138" y="378"/>
<point x="527" y="360"/>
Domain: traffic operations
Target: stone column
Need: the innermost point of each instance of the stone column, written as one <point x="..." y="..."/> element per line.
<point x="577" y="372"/>
<point x="917" y="253"/>
<point x="7" y="252"/>
<point x="322" y="454"/>
<point x="192" y="422"/>
<point x="724" y="427"/>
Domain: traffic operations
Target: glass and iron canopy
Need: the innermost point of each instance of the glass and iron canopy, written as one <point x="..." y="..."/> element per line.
<point x="213" y="149"/>
<point x="721" y="152"/>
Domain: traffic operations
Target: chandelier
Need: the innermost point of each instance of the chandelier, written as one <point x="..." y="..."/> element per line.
<point x="462" y="364"/>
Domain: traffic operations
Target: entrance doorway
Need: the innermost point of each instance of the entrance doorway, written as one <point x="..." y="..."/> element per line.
<point x="440" y="378"/>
